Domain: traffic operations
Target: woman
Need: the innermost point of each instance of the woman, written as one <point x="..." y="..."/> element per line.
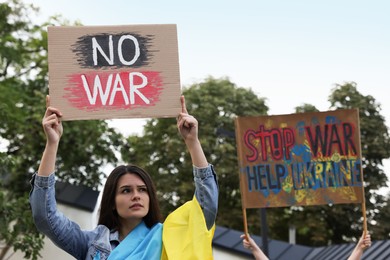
<point x="129" y="223"/>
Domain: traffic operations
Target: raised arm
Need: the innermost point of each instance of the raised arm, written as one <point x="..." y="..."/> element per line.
<point x="52" y="126"/>
<point x="363" y="243"/>
<point x="206" y="186"/>
<point x="65" y="233"/>
<point x="188" y="128"/>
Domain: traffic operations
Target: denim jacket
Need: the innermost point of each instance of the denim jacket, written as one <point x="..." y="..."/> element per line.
<point x="83" y="244"/>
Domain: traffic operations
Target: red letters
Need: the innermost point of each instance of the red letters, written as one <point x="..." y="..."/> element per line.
<point x="277" y="142"/>
<point x="114" y="90"/>
<point x="330" y="138"/>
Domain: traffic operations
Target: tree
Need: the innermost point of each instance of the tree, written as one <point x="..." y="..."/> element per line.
<point x="17" y="230"/>
<point x="215" y="103"/>
<point x="86" y="146"/>
<point x="319" y="225"/>
<point x="306" y="108"/>
<point x="375" y="142"/>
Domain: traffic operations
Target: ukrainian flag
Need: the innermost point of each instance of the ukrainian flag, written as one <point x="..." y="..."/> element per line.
<point x="185" y="234"/>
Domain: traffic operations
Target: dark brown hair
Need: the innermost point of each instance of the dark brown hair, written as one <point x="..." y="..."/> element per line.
<point x="109" y="216"/>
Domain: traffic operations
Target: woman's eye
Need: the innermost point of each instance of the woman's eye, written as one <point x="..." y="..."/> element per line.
<point x="142" y="189"/>
<point x="125" y="190"/>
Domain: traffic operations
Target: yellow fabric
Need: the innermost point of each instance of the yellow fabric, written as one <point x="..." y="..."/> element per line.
<point x="185" y="234"/>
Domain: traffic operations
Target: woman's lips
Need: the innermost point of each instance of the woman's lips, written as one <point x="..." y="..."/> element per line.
<point x="136" y="206"/>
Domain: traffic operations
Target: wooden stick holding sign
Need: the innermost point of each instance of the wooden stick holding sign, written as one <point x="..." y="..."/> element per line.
<point x="363" y="204"/>
<point x="300" y="159"/>
<point x="104" y="72"/>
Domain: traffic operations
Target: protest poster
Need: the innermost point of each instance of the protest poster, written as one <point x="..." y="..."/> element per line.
<point x="300" y="159"/>
<point x="105" y="72"/>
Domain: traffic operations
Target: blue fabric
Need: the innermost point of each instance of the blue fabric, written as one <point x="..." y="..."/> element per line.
<point x="141" y="244"/>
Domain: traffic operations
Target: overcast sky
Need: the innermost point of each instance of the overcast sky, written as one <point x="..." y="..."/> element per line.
<point x="290" y="52"/>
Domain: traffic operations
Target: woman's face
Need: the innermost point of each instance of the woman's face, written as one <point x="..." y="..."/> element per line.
<point x="132" y="198"/>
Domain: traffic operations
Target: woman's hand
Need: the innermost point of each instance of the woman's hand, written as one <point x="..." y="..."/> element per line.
<point x="364" y="241"/>
<point x="250" y="244"/>
<point x="187" y="124"/>
<point x="51" y="123"/>
<point x="188" y="128"/>
<point x="52" y="126"/>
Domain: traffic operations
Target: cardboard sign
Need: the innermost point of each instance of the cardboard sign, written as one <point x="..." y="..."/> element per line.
<point x="103" y="72"/>
<point x="300" y="159"/>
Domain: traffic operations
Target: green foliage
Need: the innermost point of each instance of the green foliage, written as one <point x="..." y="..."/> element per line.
<point x="306" y="108"/>
<point x="375" y="142"/>
<point x="16" y="219"/>
<point x="86" y="146"/>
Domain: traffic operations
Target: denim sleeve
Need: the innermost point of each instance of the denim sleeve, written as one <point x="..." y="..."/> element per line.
<point x="65" y="233"/>
<point x="206" y="192"/>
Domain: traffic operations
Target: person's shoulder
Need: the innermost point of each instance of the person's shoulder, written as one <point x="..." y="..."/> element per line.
<point x="100" y="236"/>
<point x="101" y="231"/>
